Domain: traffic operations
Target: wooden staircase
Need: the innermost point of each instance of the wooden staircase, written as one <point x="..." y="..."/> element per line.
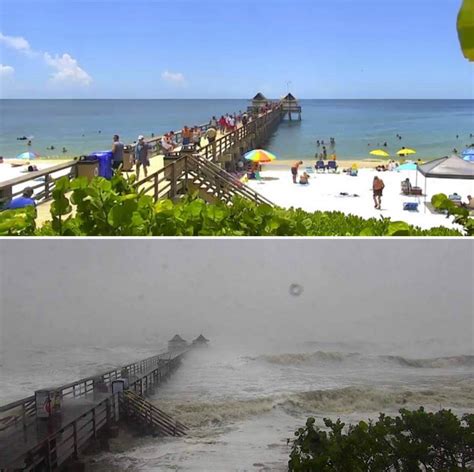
<point x="146" y="414"/>
<point x="213" y="183"/>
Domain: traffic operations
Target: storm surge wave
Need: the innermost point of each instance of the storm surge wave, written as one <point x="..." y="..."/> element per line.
<point x="336" y="357"/>
<point x="323" y="402"/>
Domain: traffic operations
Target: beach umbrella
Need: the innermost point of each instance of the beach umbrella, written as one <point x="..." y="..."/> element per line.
<point x="379" y="152"/>
<point x="407" y="166"/>
<point x="27" y="155"/>
<point x="468" y="154"/>
<point x="405" y="152"/>
<point x="259" y="155"/>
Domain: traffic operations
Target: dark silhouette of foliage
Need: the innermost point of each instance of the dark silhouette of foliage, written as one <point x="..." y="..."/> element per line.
<point x="414" y="441"/>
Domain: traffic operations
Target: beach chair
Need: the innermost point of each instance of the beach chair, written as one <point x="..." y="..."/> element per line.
<point x="320" y="166"/>
<point x="410" y="206"/>
<point x="332" y="165"/>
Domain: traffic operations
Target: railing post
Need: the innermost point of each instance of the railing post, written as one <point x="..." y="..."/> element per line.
<point x="46" y="186"/>
<point x="155" y="186"/>
<point x="186" y="173"/>
<point x="93" y="423"/>
<point x="23" y="414"/>
<point x="173" y="180"/>
<point x="74" y="433"/>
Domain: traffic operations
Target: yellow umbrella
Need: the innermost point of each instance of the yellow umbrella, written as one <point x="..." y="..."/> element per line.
<point x="405" y="152"/>
<point x="379" y="152"/>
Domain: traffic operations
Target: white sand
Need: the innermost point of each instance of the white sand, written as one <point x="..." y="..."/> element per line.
<point x="7" y="172"/>
<point x="323" y="193"/>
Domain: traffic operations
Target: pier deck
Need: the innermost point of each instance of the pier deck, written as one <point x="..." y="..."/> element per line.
<point x="55" y="434"/>
<point x="88" y="407"/>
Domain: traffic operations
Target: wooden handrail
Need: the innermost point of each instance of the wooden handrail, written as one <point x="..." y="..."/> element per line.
<point x="36" y="174"/>
<point x="87" y="382"/>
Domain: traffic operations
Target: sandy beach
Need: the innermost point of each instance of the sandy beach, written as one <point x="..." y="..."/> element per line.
<point x="325" y="192"/>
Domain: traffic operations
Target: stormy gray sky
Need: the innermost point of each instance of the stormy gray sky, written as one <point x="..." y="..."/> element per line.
<point x="105" y="292"/>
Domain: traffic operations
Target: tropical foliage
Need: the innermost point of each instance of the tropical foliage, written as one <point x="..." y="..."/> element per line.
<point x="415" y="440"/>
<point x="115" y="208"/>
<point x="461" y="215"/>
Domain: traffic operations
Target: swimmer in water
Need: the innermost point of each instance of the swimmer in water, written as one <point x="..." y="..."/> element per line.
<point x="64" y="149"/>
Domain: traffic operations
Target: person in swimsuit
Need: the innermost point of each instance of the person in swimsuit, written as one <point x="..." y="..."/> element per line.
<point x="294" y="170"/>
<point x="377" y="187"/>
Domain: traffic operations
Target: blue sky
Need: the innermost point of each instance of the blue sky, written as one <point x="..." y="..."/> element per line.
<point x="231" y="49"/>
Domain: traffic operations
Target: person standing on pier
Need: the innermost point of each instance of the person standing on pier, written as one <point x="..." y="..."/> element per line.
<point x="222" y="124"/>
<point x="141" y="156"/>
<point x="117" y="152"/>
<point x="197" y="137"/>
<point x="186" y="134"/>
<point x="213" y="122"/>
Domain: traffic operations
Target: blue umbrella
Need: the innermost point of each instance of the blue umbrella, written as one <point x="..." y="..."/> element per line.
<point x="407" y="166"/>
<point x="27" y="155"/>
<point x="468" y="154"/>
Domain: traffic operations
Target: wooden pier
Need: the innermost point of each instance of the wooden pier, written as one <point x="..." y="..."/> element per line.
<point x="89" y="410"/>
<point x="208" y="169"/>
<point x="290" y="107"/>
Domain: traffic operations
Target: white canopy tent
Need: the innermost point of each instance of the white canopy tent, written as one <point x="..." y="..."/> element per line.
<point x="446" y="168"/>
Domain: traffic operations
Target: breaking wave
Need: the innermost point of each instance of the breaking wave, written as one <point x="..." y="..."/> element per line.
<point x="340" y="357"/>
<point x="336" y="401"/>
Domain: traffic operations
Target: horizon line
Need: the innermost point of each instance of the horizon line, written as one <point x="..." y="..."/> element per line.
<point x="224" y="98"/>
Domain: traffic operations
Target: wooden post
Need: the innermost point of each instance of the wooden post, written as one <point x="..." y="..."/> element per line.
<point x="74" y="426"/>
<point x="93" y="424"/>
<point x="155" y="186"/>
<point x="46" y="186"/>
<point x="173" y="180"/>
<point x="186" y="173"/>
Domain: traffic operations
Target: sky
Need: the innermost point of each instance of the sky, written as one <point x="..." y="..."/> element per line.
<point x="231" y="49"/>
<point x="405" y="294"/>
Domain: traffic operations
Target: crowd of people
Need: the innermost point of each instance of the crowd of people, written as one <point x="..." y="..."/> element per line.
<point x="190" y="137"/>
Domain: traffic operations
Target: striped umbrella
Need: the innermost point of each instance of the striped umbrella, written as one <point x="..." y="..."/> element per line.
<point x="27" y="155"/>
<point x="260" y="155"/>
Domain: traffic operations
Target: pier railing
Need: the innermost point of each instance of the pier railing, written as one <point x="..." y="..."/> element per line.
<point x="177" y="178"/>
<point x="67" y="441"/>
<point x="42" y="182"/>
<point x="21" y="411"/>
<point x="50" y="443"/>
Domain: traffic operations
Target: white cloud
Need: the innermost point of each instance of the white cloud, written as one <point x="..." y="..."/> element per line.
<point x="5" y="71"/>
<point x="16" y="42"/>
<point x="174" y="77"/>
<point x="67" y="70"/>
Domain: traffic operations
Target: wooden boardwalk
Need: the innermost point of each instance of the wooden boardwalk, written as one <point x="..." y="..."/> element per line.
<point x="165" y="180"/>
<point x="89" y="408"/>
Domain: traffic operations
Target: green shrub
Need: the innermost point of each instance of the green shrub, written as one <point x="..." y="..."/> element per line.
<point x="415" y="440"/>
<point x="115" y="208"/>
<point x="461" y="215"/>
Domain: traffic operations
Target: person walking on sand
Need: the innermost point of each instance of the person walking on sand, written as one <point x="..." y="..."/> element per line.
<point x="117" y="152"/>
<point x="294" y="170"/>
<point x="141" y="156"/>
<point x="377" y="187"/>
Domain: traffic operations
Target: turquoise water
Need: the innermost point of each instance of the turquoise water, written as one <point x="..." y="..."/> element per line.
<point x="429" y="126"/>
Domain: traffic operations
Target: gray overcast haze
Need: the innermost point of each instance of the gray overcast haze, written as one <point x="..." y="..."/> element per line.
<point x="104" y="292"/>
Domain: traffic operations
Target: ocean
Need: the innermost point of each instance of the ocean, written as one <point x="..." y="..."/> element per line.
<point x="242" y="403"/>
<point x="432" y="127"/>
